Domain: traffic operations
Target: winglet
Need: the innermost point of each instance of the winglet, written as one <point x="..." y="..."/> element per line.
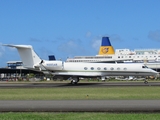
<point x="106" y="47"/>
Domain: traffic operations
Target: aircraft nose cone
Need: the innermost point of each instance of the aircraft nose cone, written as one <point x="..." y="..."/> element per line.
<point x="154" y="72"/>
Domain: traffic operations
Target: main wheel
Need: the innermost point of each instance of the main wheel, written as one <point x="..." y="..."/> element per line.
<point x="73" y="82"/>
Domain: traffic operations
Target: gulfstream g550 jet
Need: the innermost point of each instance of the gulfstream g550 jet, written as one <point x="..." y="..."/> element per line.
<point x="76" y="70"/>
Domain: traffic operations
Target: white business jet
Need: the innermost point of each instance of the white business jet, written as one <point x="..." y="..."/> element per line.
<point x="76" y="70"/>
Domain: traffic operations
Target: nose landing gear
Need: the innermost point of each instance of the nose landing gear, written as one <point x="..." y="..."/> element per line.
<point x="146" y="82"/>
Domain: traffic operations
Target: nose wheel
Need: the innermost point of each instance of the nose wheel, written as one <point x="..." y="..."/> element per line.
<point x="146" y="82"/>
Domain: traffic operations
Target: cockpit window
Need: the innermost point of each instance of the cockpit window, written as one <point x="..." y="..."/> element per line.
<point x="144" y="66"/>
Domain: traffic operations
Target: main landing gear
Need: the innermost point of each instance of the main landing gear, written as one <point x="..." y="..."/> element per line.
<point x="74" y="80"/>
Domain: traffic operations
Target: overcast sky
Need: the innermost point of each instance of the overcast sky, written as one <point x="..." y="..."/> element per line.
<point x="68" y="28"/>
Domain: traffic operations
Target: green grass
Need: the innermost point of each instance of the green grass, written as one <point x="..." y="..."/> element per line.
<point x="117" y="93"/>
<point x="78" y="116"/>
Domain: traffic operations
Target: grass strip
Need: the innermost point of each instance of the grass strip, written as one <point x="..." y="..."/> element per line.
<point x="108" y="93"/>
<point x="79" y="116"/>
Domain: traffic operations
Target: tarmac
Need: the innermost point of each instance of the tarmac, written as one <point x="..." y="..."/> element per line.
<point x="80" y="106"/>
<point x="80" y="84"/>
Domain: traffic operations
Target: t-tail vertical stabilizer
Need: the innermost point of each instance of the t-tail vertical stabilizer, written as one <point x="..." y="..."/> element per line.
<point x="28" y="56"/>
<point x="106" y="47"/>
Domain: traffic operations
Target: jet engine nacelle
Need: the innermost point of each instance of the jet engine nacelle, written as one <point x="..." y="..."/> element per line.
<point x="53" y="65"/>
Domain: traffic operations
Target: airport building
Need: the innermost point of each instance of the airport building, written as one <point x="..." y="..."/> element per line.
<point x="15" y="70"/>
<point x="15" y="65"/>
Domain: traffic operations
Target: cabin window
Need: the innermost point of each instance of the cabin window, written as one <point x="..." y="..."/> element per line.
<point x="105" y="68"/>
<point x="124" y="68"/>
<point x="85" y="68"/>
<point x="98" y="68"/>
<point x="111" y="68"/>
<point x="118" y="68"/>
<point x="92" y="68"/>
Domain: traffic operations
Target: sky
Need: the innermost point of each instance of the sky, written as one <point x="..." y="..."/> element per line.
<point x="68" y="28"/>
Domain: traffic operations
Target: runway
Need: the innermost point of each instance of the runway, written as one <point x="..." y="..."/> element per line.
<point x="81" y="84"/>
<point x="78" y="105"/>
<point x="81" y="106"/>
